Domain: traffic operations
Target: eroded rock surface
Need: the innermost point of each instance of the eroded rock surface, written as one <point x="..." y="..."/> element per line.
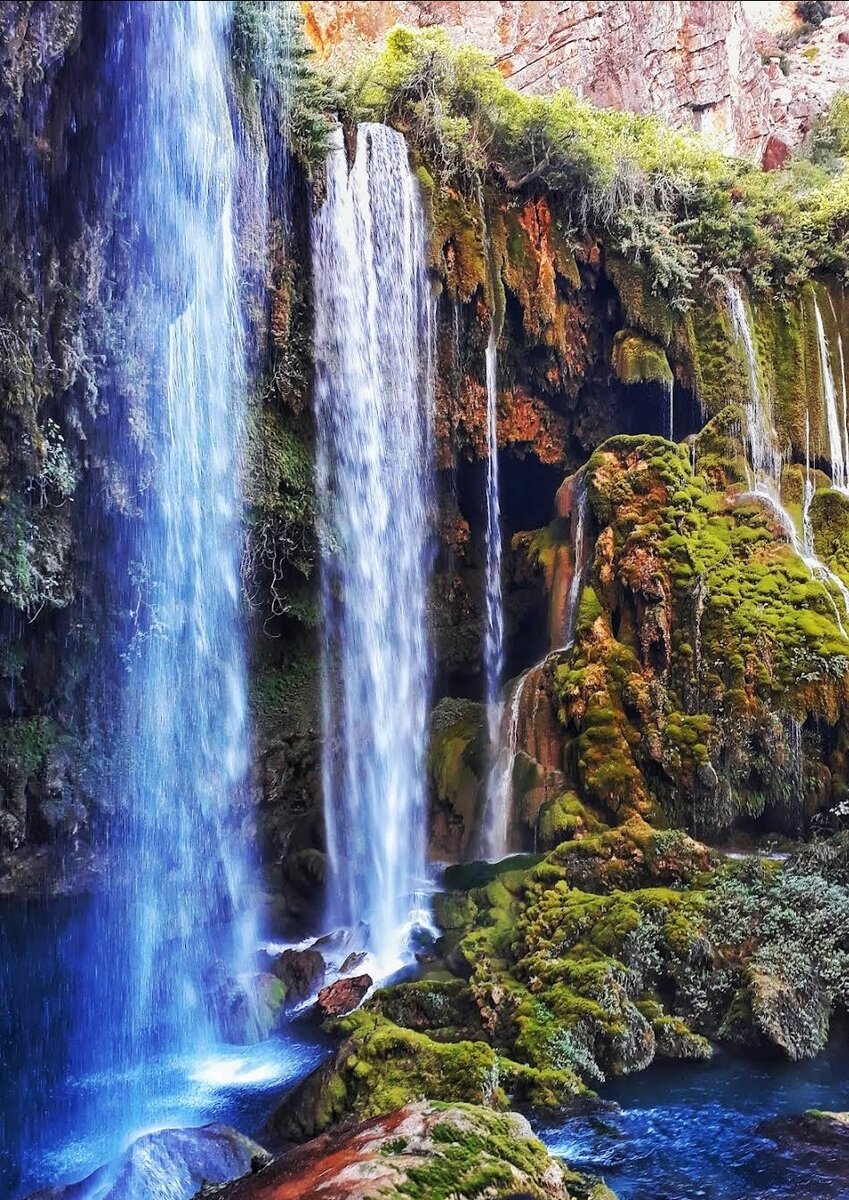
<point x="436" y="1150"/>
<point x="720" y="67"/>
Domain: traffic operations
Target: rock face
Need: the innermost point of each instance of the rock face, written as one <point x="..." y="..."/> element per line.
<point x="695" y="63"/>
<point x="421" y="1145"/>
<point x="171" y="1165"/>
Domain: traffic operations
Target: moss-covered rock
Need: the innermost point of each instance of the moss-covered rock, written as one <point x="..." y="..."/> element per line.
<point x="637" y="359"/>
<point x="423" y="1151"/>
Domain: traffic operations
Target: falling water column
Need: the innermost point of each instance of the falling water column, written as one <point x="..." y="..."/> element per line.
<point x="495" y="830"/>
<point x="172" y="932"/>
<point x="372" y="341"/>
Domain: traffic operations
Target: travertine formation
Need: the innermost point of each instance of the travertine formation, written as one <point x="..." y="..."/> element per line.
<point x="737" y="70"/>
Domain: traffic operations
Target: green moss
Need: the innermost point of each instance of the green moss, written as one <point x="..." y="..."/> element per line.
<point x="288" y="693"/>
<point x="665" y="200"/>
<point x="644" y="309"/>
<point x="638" y="360"/>
<point x="25" y="744"/>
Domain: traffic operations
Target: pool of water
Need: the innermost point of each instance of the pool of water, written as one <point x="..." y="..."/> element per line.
<point x="690" y="1131"/>
<point x="57" y="1125"/>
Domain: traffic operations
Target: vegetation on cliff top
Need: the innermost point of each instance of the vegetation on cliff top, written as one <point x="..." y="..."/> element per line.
<point x="664" y="198"/>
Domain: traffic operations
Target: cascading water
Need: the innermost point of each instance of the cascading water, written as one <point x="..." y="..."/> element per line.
<point x="144" y="973"/>
<point x="669" y="388"/>
<point x="766" y="460"/>
<point x="499" y="799"/>
<point x="494" y="833"/>
<point x="838" y="436"/>
<point x="373" y="335"/>
<point x="579" y="562"/>
<point x="186" y="710"/>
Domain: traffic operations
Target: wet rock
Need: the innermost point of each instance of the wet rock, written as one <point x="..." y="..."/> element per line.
<point x="355" y="959"/>
<point x="343" y="996"/>
<point x="819" y="1140"/>
<point x="300" y="971"/>
<point x="249" y="1007"/>
<point x="170" y="1165"/>
<point x="419" y="1146"/>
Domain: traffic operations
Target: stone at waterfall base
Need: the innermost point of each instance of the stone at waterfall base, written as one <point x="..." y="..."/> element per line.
<point x="342" y="997"/>
<point x="170" y="1165"/>
<point x="423" y="1149"/>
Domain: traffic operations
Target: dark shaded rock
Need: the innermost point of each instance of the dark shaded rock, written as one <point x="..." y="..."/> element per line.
<point x="819" y="1140"/>
<point x="170" y="1165"/>
<point x="300" y="971"/>
<point x="343" y="996"/>
<point x="355" y="959"/>
<point x="771" y="1013"/>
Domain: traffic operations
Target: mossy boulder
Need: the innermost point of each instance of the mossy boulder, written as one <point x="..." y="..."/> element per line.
<point x="423" y="1151"/>
<point x="637" y="359"/>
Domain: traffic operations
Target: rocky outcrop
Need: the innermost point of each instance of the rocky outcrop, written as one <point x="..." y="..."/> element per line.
<point x="719" y="66"/>
<point x="420" y="1150"/>
<point x="182" y="1159"/>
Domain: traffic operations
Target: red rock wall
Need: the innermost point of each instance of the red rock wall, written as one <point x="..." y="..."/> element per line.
<point x="691" y="62"/>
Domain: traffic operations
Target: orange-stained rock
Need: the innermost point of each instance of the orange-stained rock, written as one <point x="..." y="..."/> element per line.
<point x="381" y="1156"/>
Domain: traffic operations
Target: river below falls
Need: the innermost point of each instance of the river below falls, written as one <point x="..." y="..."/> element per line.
<point x="689" y="1131"/>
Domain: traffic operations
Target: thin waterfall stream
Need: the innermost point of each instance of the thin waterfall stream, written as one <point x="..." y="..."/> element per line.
<point x="838" y="437"/>
<point x="766" y="459"/>
<point x="495" y="831"/>
<point x="373" y="349"/>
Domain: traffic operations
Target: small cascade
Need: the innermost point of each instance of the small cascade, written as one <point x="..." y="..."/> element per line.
<point x="499" y="800"/>
<point x="838" y="437"/>
<point x="373" y="320"/>
<point x="808" y="493"/>
<point x="766" y="460"/>
<point x="579" y="563"/>
<point x="669" y="388"/>
<point x="505" y="719"/>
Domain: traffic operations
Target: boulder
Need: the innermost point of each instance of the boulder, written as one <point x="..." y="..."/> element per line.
<point x="300" y="971"/>
<point x="415" y="1150"/>
<point x="170" y="1165"/>
<point x="343" y="996"/>
<point x="819" y="1140"/>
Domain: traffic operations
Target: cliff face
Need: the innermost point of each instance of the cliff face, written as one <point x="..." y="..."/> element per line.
<point x="738" y="71"/>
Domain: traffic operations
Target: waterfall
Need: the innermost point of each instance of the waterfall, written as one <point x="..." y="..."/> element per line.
<point x="808" y="493"/>
<point x="185" y="693"/>
<point x="373" y="335"/>
<point x="503" y="729"/>
<point x="503" y="719"/>
<point x="766" y="460"/>
<point x="579" y="563"/>
<point x="838" y="438"/>
<point x="494" y="842"/>
<point x="669" y="388"/>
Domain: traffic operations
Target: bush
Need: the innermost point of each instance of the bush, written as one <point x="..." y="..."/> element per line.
<point x="663" y="198"/>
